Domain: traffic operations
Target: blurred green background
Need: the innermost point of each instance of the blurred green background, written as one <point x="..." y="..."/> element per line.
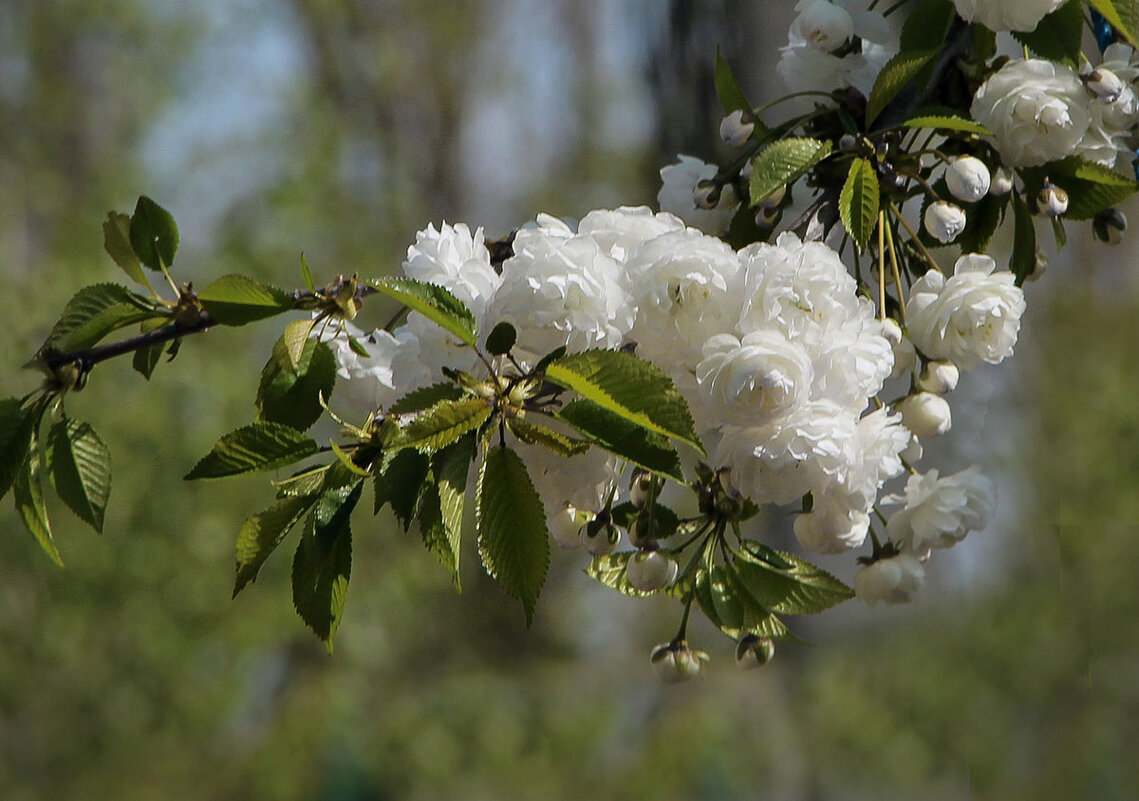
<point x="340" y="127"/>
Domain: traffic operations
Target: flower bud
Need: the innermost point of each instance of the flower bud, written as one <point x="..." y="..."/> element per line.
<point x="1001" y="183"/>
<point x="775" y="199"/>
<point x="823" y="24"/>
<point x="967" y="178"/>
<point x="848" y="143"/>
<point x="925" y="414"/>
<point x="706" y="195"/>
<point x="599" y="536"/>
<point x="766" y="218"/>
<point x="1104" y="84"/>
<point x="674" y="662"/>
<point x="944" y="221"/>
<point x="737" y="127"/>
<point x="893" y="581"/>
<point x="1052" y="200"/>
<point x="905" y="357"/>
<point x="753" y="651"/>
<point x="650" y="571"/>
<point x="1039" y="266"/>
<point x="643" y="531"/>
<point x="1109" y="225"/>
<point x="892" y="331"/>
<point x="640" y="487"/>
<point x="939" y="377"/>
<point x="566" y="524"/>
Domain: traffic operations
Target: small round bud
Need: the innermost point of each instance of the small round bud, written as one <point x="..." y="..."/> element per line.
<point x="891" y="330"/>
<point x="968" y="179"/>
<point x="925" y="414"/>
<point x="767" y="218"/>
<point x="944" y="221"/>
<point x="706" y="195"/>
<point x="1109" y="225"/>
<point x="650" y="571"/>
<point x="566" y="525"/>
<point x="674" y="662"/>
<point x="848" y="143"/>
<point x="893" y="581"/>
<point x="643" y="531"/>
<point x="939" y="377"/>
<point x="775" y="199"/>
<point x="1001" y="184"/>
<point x="1052" y="200"/>
<point x="640" y="487"/>
<point x="753" y="651"/>
<point x="1104" y="84"/>
<point x="599" y="536"/>
<point x="737" y="127"/>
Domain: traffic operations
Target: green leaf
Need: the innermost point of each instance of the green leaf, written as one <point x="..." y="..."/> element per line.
<point x="425" y="398"/>
<point x="728" y="90"/>
<point x="1023" y="260"/>
<point x="117" y="243"/>
<point x="510" y="520"/>
<point x="501" y="339"/>
<point x="858" y="202"/>
<point x="1057" y="36"/>
<point x="540" y="435"/>
<point x="290" y="393"/>
<point x="782" y="162"/>
<point x="786" y="584"/>
<point x="402" y="484"/>
<point x="947" y="122"/>
<point x="1123" y="14"/>
<point x="93" y="312"/>
<point x="443" y="424"/>
<point x="306" y="274"/>
<point x="17" y="425"/>
<point x="618" y="435"/>
<point x="1091" y="187"/>
<point x="262" y="533"/>
<point x="153" y="234"/>
<point x="323" y="564"/>
<point x="434" y="302"/>
<point x="732" y="609"/>
<point x="237" y="300"/>
<point x="306" y="482"/>
<point x="28" y="493"/>
<point x="612" y="571"/>
<point x="983" y="219"/>
<point x="631" y="388"/>
<point x="895" y="74"/>
<point x="261" y="446"/>
<point x="80" y="469"/>
<point x="441" y="510"/>
<point x="146" y="359"/>
<point x="923" y="37"/>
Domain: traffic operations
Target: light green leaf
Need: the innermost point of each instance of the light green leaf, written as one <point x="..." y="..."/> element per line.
<point x="93" y="312"/>
<point x="897" y="72"/>
<point x="262" y="533"/>
<point x="611" y="570"/>
<point x="261" y="446"/>
<point x="306" y="274"/>
<point x="618" y="435"/>
<point x="322" y="565"/>
<point x="1057" y="36"/>
<point x="1023" y="260"/>
<point x="16" y="427"/>
<point x="441" y="510"/>
<point x="116" y="241"/>
<point x="237" y="300"/>
<point x="80" y="469"/>
<point x="731" y="609"/>
<point x="728" y="90"/>
<point x="425" y="398"/>
<point x="510" y="520"/>
<point x="540" y="435"/>
<point x="947" y="122"/>
<point x="923" y="37"/>
<point x="786" y="584"/>
<point x="1123" y="14"/>
<point x="153" y="234"/>
<point x="28" y="493"/>
<point x="306" y="482"/>
<point x="434" y="302"/>
<point x="858" y="202"/>
<point x="402" y="483"/>
<point x="782" y="162"/>
<point x="631" y="388"/>
<point x="290" y="393"/>
<point x="443" y="424"/>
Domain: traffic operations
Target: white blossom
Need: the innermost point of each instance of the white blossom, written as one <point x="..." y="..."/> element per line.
<point x="939" y="512"/>
<point x="678" y="182"/>
<point x="971" y="317"/>
<point x="834" y="525"/>
<point x="894" y="581"/>
<point x="1036" y="109"/>
<point x="457" y="259"/>
<point x="1006" y="15"/>
<point x="649" y="571"/>
<point x="822" y="24"/>
<point x="753" y="379"/>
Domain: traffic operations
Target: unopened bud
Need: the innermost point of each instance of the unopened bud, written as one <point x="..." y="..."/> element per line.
<point x="599" y="536"/>
<point x="939" y="377"/>
<point x="823" y="24"/>
<point x="1052" y="200"/>
<point x="925" y="414"/>
<point x="643" y="531"/>
<point x="706" y="195"/>
<point x="848" y="143"/>
<point x="767" y="217"/>
<point x="893" y="581"/>
<point x="649" y="571"/>
<point x="753" y="651"/>
<point x="1109" y="225"/>
<point x="1104" y="84"/>
<point x="774" y="200"/>
<point x="674" y="662"/>
<point x="1001" y="184"/>
<point x="968" y="179"/>
<point x="566" y="525"/>
<point x="737" y="127"/>
<point x="640" y="487"/>
<point x="944" y="221"/>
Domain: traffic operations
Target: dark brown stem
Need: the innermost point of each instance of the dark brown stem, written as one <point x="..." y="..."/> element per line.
<point x="88" y="357"/>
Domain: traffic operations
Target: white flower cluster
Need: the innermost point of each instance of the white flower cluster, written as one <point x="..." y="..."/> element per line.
<point x="821" y="55"/>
